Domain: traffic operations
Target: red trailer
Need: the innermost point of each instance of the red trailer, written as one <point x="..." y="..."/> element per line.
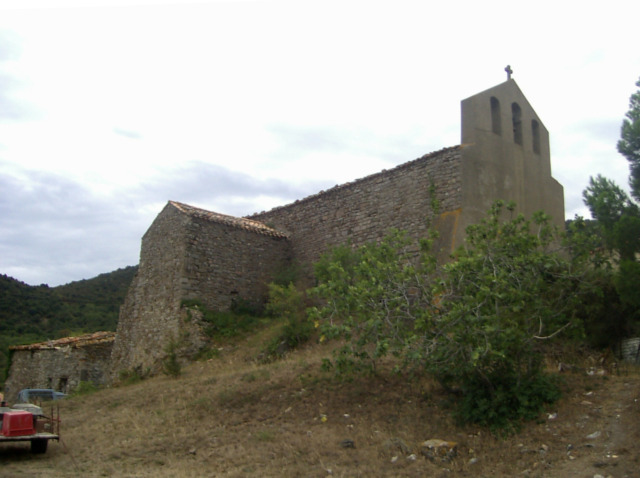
<point x="26" y="422"/>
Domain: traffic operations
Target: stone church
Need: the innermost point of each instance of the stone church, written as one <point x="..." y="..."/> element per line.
<point x="191" y="253"/>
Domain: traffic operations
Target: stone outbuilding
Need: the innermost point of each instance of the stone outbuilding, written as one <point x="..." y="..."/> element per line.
<point x="60" y="364"/>
<point x="190" y="253"/>
<point x="630" y="350"/>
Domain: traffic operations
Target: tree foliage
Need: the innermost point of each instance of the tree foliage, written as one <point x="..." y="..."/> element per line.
<point x="605" y="318"/>
<point x="627" y="283"/>
<point x="36" y="313"/>
<point x="609" y="204"/>
<point x="477" y="324"/>
<point x="504" y="292"/>
<point x="508" y="291"/>
<point x="629" y="143"/>
<point x="289" y="304"/>
<point x="618" y="218"/>
<point x="374" y="297"/>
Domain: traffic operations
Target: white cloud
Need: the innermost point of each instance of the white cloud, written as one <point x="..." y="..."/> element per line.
<point x="238" y="106"/>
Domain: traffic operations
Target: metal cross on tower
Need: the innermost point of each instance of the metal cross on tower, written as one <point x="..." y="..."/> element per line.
<point x="509" y="71"/>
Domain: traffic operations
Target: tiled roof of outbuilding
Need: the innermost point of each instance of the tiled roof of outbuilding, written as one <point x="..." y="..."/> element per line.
<point x="240" y="222"/>
<point x="80" y="341"/>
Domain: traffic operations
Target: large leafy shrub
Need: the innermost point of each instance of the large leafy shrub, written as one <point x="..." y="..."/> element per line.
<point x="287" y="303"/>
<point x="374" y="297"/>
<point x="477" y="324"/>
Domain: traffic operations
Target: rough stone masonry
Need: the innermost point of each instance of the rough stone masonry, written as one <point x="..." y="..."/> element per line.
<point x="191" y="253"/>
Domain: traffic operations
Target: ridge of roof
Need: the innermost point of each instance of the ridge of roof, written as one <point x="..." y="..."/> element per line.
<point x="249" y="224"/>
<point x="371" y="176"/>
<point x="80" y="341"/>
<point x="239" y="222"/>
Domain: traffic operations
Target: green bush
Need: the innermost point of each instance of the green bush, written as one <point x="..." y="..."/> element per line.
<point x="132" y="376"/>
<point x="287" y="303"/>
<point x="207" y="353"/>
<point x="288" y="274"/>
<point x="376" y="298"/>
<point x="85" y="388"/>
<point x="170" y="364"/>
<point x="242" y="317"/>
<point x="508" y="401"/>
<point x="227" y="323"/>
<point x="243" y="307"/>
<point x="477" y="324"/>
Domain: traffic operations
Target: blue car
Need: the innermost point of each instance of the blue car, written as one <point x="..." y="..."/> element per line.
<point x="28" y="395"/>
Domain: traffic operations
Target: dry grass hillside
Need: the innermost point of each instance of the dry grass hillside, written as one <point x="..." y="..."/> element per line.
<point x="231" y="417"/>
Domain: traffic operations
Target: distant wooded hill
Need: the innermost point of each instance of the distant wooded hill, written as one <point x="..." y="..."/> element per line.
<point x="31" y="314"/>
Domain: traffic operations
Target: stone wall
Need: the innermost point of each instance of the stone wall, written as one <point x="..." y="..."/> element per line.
<point x="60" y="364"/>
<point x="365" y="210"/>
<point x="630" y="350"/>
<point x="148" y="316"/>
<point x="190" y="253"/>
<point x="225" y="263"/>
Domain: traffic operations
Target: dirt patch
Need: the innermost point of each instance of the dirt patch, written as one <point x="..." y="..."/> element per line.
<point x="231" y="417"/>
<point x="605" y="433"/>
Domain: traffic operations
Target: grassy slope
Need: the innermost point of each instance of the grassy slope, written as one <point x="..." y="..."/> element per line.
<point x="232" y="417"/>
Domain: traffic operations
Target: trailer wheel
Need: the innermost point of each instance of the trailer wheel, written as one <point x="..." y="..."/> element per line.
<point x="39" y="446"/>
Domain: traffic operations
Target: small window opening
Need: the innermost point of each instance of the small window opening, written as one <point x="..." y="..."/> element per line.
<point x="535" y="132"/>
<point x="496" y="121"/>
<point x="516" y="117"/>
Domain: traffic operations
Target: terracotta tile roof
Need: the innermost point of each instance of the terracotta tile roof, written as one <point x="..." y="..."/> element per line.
<point x="239" y="222"/>
<point x="80" y="341"/>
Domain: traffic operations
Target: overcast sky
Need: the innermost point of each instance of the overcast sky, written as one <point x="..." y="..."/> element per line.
<point x="108" y="109"/>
